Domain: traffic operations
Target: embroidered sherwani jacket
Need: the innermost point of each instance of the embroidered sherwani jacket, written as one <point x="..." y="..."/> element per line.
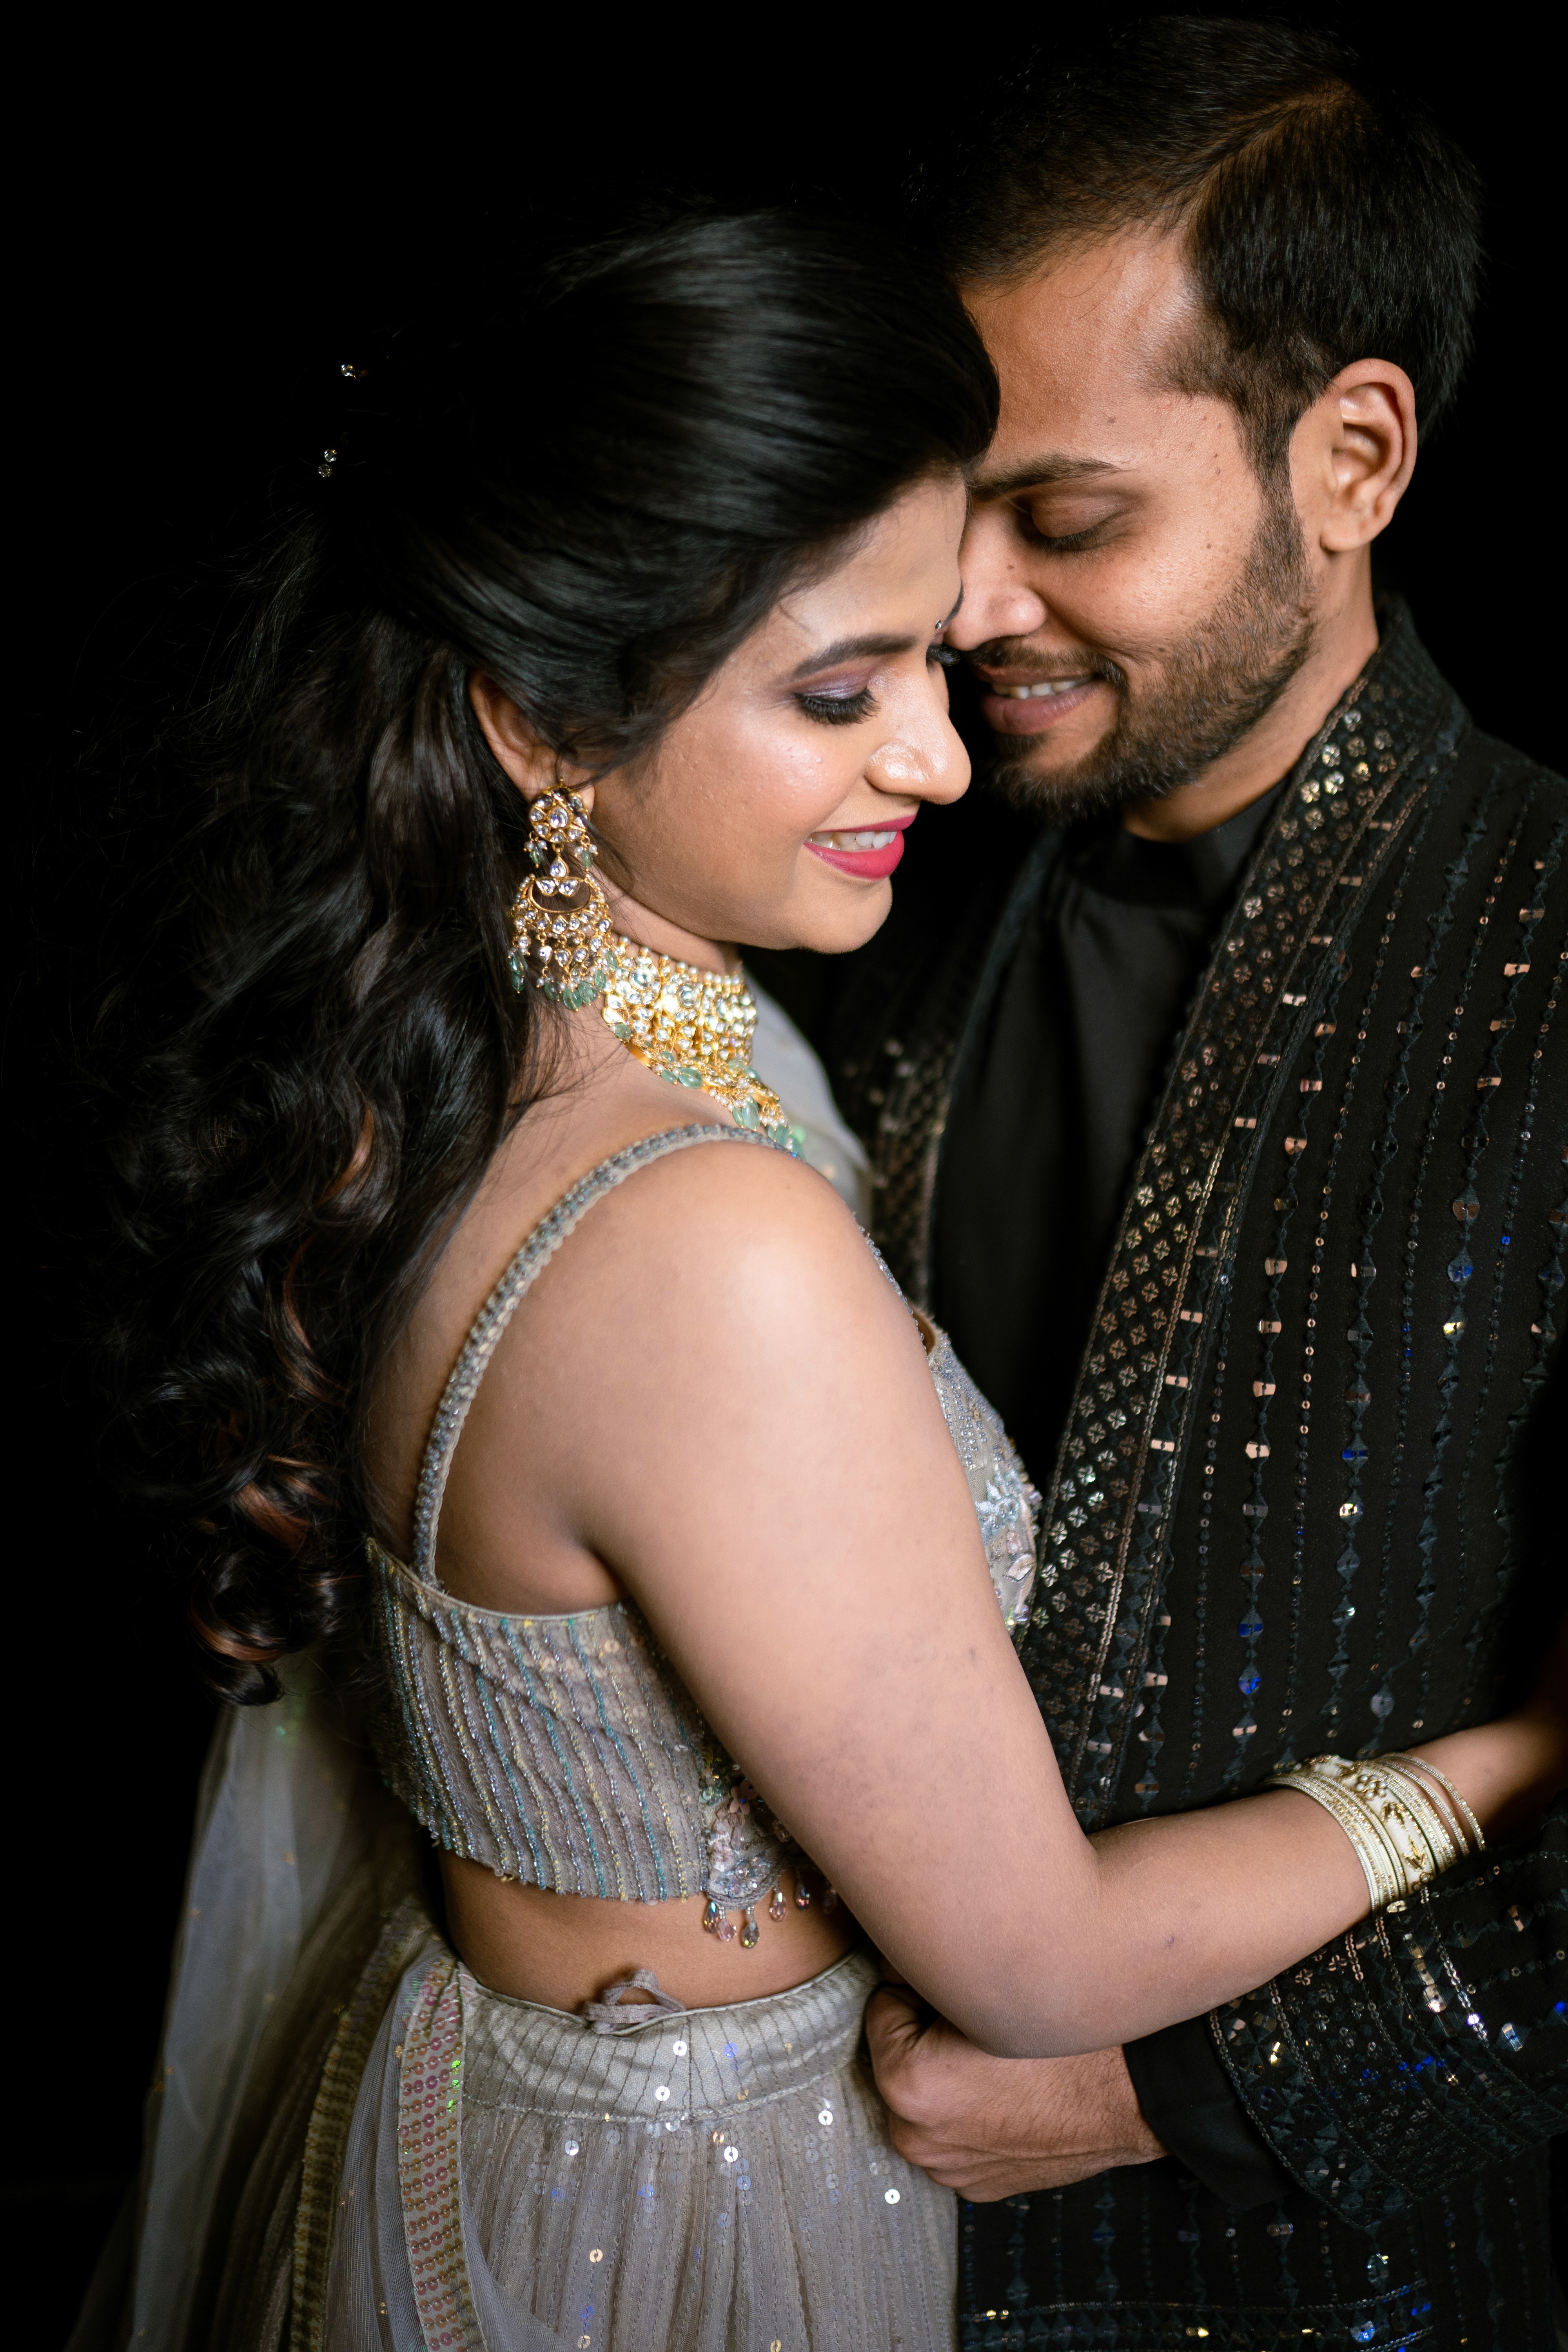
<point x="1304" y="1499"/>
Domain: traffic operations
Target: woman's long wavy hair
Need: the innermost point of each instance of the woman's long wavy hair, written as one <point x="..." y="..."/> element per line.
<point x="594" y="502"/>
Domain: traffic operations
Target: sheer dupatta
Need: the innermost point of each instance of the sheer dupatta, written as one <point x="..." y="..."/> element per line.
<point x="290" y="1809"/>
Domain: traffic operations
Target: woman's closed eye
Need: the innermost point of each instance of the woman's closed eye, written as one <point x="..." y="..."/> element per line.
<point x="842" y="704"/>
<point x="839" y="707"/>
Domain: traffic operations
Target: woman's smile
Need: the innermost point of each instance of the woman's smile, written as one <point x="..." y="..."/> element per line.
<point x="869" y="851"/>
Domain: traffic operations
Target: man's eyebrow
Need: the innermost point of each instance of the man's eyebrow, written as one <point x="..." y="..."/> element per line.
<point x="1038" y="472"/>
<point x="850" y="649"/>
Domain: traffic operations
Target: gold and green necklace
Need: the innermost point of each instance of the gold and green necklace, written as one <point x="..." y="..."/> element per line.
<point x="692" y="1027"/>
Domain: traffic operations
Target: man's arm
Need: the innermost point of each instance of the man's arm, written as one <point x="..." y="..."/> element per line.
<point x="1191" y="2103"/>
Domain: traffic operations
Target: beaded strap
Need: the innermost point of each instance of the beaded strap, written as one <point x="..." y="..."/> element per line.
<point x="502" y="1304"/>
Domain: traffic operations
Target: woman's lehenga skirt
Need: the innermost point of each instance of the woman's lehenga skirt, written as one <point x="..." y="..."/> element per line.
<point x="483" y="2173"/>
<point x="352" y="2147"/>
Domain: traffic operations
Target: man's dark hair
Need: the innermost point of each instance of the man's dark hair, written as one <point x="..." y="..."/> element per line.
<point x="1325" y="221"/>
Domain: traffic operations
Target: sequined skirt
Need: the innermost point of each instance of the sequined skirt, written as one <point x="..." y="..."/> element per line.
<point x="716" y="2180"/>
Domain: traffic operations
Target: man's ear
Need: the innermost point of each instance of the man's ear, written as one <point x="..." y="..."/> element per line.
<point x="1352" y="454"/>
<point x="530" y="763"/>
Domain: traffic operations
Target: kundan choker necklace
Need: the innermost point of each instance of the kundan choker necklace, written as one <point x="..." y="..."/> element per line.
<point x="693" y="1027"/>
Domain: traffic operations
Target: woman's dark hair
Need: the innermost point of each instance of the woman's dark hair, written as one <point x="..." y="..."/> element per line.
<point x="1326" y="219"/>
<point x="595" y="499"/>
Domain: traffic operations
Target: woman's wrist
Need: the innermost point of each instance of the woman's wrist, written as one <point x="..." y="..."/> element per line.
<point x="1509" y="1771"/>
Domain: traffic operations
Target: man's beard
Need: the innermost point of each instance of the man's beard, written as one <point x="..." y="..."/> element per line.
<point x="1210" y="692"/>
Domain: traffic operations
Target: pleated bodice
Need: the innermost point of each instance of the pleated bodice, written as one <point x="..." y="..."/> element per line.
<point x="563" y="1751"/>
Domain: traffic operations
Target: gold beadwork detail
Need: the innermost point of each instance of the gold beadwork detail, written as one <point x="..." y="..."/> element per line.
<point x="694" y="1028"/>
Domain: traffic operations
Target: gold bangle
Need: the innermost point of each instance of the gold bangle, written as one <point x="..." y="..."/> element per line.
<point x="1419" y="1764"/>
<point x="1444" y="1833"/>
<point x="1440" y="1845"/>
<point x="1414" y="1825"/>
<point x="1405" y="1819"/>
<point x="1400" y="1835"/>
<point x="1371" y="1867"/>
<point x="1324" y="1779"/>
<point x="1442" y="1827"/>
<point x="1414" y="1856"/>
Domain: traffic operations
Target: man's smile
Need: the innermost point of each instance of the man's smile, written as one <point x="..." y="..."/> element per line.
<point x="1031" y="705"/>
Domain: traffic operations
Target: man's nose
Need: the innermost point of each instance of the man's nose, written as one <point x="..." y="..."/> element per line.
<point x="998" y="599"/>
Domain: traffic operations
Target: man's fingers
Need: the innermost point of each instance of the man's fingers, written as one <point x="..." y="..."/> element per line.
<point x="894" y="2024"/>
<point x="917" y="2143"/>
<point x="950" y="2167"/>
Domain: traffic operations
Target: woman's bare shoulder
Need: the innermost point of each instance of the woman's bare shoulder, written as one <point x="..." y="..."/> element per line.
<point x="723" y="1221"/>
<point x="720" y="1271"/>
<point x="712" y="1325"/>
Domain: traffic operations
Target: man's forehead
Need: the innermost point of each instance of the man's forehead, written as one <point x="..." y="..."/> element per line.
<point x="1082" y="347"/>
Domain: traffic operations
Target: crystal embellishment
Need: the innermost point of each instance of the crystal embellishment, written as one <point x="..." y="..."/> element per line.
<point x="560" y="928"/>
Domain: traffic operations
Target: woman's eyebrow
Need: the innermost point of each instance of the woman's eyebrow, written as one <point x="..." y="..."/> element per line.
<point x="851" y="649"/>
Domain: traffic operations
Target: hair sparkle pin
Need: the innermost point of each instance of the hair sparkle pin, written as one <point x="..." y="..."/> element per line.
<point x="328" y="459"/>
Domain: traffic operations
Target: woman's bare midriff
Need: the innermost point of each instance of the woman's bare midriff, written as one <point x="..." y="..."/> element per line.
<point x="565" y="1950"/>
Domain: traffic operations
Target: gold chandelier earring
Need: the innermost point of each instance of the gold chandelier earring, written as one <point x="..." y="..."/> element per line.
<point x="691" y="1027"/>
<point x="561" y="935"/>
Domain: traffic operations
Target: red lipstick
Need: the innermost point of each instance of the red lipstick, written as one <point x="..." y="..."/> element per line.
<point x="873" y="863"/>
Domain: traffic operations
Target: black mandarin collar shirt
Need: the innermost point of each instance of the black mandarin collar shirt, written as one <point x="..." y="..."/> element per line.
<point x="1051" y="1104"/>
<point x="1047" y="1118"/>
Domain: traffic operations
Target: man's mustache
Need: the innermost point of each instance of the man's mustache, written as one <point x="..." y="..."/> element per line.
<point x="1016" y="654"/>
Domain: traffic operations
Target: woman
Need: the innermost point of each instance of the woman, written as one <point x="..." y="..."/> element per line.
<point x="693" y="1559"/>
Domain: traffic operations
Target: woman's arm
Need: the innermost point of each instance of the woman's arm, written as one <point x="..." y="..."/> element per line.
<point x="716" y="1395"/>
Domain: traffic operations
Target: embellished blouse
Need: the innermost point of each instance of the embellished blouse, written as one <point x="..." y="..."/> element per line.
<point x="563" y="1752"/>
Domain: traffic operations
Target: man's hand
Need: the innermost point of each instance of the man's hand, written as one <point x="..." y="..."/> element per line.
<point x="995" y="2128"/>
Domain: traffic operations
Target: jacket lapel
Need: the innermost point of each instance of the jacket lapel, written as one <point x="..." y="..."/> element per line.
<point x="1103" y="1546"/>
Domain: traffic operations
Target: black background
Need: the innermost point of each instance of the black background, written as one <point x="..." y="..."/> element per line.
<point x="203" y="235"/>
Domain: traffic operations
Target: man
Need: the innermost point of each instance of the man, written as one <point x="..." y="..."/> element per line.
<point x="1210" y="1074"/>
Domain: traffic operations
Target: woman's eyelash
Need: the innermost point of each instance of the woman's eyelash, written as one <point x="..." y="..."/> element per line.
<point x="844" y="710"/>
<point x="837" y="710"/>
